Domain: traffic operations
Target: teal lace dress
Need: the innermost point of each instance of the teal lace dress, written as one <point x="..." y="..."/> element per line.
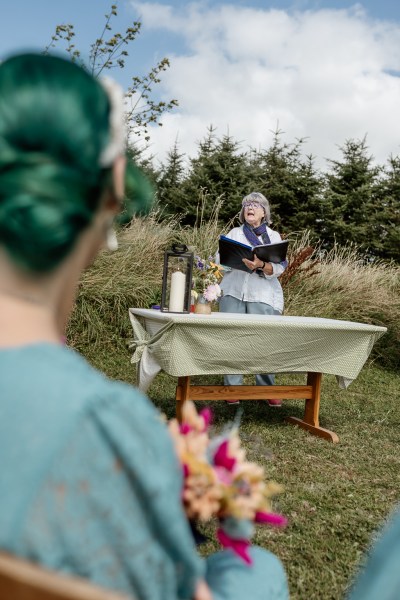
<point x="90" y="485"/>
<point x="379" y="578"/>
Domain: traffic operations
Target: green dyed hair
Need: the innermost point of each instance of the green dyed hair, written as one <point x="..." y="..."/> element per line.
<point x="54" y="123"/>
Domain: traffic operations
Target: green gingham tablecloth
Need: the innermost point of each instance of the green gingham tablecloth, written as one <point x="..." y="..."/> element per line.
<point x="228" y="343"/>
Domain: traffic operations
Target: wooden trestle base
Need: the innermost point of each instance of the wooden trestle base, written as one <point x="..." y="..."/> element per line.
<point x="311" y="393"/>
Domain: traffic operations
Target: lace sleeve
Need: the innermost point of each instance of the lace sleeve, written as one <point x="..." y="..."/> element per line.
<point x="110" y="508"/>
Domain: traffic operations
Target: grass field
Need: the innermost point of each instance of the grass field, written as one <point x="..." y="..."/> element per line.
<point x="336" y="496"/>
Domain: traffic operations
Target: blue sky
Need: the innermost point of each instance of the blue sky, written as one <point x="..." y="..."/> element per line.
<point x="325" y="70"/>
<point x="29" y="24"/>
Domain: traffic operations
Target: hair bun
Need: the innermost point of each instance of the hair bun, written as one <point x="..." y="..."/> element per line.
<point x="54" y="124"/>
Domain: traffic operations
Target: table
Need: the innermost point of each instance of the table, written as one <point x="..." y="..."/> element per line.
<point x="184" y="345"/>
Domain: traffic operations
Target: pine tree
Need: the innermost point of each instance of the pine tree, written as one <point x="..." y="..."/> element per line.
<point x="350" y="198"/>
<point x="170" y="195"/>
<point x="291" y="184"/>
<point x="386" y="220"/>
<point x="219" y="170"/>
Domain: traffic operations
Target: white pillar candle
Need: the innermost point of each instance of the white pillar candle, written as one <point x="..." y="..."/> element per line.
<point x="177" y="293"/>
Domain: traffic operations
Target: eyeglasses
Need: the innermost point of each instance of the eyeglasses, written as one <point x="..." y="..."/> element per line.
<point x="252" y="204"/>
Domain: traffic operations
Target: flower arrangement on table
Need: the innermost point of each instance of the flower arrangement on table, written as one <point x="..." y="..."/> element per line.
<point x="220" y="482"/>
<point x="207" y="276"/>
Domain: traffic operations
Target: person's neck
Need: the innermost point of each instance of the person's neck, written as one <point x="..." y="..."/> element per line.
<point x="35" y="308"/>
<point x="26" y="321"/>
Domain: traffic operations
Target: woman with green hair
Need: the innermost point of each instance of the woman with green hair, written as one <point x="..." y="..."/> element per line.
<point x="89" y="481"/>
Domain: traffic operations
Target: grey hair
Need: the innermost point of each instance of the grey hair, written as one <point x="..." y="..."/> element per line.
<point x="257" y="197"/>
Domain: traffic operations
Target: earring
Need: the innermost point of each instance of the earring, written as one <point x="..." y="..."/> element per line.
<point x="111" y="239"/>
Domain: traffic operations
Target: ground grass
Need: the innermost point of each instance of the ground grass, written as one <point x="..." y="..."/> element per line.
<point x="336" y="496"/>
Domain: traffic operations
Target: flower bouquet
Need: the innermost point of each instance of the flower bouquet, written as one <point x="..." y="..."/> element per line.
<point x="220" y="482"/>
<point x="206" y="278"/>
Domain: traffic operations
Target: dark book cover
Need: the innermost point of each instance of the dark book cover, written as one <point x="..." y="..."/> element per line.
<point x="231" y="253"/>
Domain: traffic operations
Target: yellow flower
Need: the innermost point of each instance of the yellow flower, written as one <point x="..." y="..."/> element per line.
<point x="202" y="493"/>
<point x="217" y="270"/>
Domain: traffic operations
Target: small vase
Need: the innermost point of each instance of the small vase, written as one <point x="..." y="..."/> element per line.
<point x="203" y="308"/>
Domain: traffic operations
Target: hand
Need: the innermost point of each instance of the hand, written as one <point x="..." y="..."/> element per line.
<point x="202" y="591"/>
<point x="256" y="263"/>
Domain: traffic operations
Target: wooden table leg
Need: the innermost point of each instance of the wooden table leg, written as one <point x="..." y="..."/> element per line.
<point x="311" y="392"/>
<point x="310" y="421"/>
<point x="181" y="395"/>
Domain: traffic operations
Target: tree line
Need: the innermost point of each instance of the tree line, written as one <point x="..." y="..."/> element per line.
<point x="354" y="201"/>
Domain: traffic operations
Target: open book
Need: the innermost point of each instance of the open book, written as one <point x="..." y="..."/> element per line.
<point x="231" y="253"/>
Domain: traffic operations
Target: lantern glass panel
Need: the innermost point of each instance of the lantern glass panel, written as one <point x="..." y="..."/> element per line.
<point x="177" y="280"/>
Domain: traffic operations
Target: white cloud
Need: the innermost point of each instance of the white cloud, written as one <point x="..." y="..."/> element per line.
<point x="320" y="74"/>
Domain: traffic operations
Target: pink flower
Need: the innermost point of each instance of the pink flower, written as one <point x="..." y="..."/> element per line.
<point x="206" y="414"/>
<point x="239" y="547"/>
<point x="271" y="519"/>
<point x="222" y="458"/>
<point x="185" y="428"/>
<point x="223" y="476"/>
<point x="212" y="292"/>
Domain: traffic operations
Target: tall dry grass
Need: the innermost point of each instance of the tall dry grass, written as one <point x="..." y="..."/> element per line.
<point x="131" y="276"/>
<point x="338" y="284"/>
<point x="203" y="236"/>
<point x="347" y="287"/>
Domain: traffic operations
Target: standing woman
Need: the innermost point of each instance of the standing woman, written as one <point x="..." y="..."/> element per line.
<point x="257" y="292"/>
<point x="90" y="484"/>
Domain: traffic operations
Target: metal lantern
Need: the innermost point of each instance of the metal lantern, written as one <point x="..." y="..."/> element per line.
<point x="177" y="279"/>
